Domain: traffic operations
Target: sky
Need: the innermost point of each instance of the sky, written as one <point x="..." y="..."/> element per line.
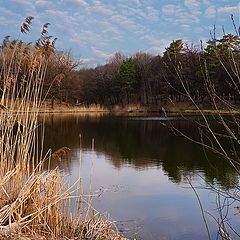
<point x="95" y="29"/>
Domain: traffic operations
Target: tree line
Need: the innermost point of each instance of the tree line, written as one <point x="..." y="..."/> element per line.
<point x="143" y="78"/>
<point x="149" y="80"/>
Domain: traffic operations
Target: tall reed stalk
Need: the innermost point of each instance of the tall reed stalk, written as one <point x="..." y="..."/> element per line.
<point x="35" y="203"/>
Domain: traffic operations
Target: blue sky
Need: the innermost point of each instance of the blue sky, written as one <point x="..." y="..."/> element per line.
<point x="95" y="29"/>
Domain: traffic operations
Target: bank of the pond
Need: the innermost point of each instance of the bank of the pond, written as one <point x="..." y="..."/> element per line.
<point x="170" y="108"/>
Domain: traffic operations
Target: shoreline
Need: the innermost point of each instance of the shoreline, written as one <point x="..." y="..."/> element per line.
<point x="130" y="113"/>
<point x="170" y="108"/>
<point x="123" y="111"/>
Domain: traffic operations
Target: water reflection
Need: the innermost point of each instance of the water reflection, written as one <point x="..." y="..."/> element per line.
<point x="145" y="168"/>
<point x="140" y="143"/>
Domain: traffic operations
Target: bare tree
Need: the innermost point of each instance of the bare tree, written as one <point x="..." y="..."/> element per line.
<point x="219" y="128"/>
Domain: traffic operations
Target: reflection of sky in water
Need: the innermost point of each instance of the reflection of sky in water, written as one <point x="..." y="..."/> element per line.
<point x="145" y="201"/>
<point x="143" y="169"/>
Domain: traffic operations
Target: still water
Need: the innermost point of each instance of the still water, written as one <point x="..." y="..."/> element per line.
<point x="141" y="171"/>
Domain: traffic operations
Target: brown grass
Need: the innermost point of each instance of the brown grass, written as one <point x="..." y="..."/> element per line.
<point x="36" y="204"/>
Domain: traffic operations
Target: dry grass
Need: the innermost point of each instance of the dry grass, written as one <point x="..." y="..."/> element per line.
<point x="36" y="204"/>
<point x="39" y="205"/>
<point x="47" y="107"/>
<point x="71" y="108"/>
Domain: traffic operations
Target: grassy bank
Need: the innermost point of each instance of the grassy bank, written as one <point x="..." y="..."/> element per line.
<point x="170" y="107"/>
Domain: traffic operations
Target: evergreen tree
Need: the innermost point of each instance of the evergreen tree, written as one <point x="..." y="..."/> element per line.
<point x="126" y="77"/>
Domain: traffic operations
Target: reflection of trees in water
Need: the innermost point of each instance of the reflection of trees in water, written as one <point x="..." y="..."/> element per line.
<point x="141" y="144"/>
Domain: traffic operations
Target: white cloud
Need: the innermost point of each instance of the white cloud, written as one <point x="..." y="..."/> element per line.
<point x="193" y="5"/>
<point x="24" y="3"/>
<point x="43" y="4"/>
<point x="179" y="16"/>
<point x="152" y="14"/>
<point x="101" y="8"/>
<point x="207" y="2"/>
<point x="210" y="12"/>
<point x="104" y="10"/>
<point x="81" y="2"/>
<point x="110" y="29"/>
<point x="136" y="2"/>
<point x="84" y="38"/>
<point x="157" y="45"/>
<point x="96" y="28"/>
<point x="101" y="54"/>
<point x="157" y="50"/>
<point x="55" y="13"/>
<point x="170" y="9"/>
<point x="148" y="13"/>
<point x="229" y="10"/>
<point x="6" y="11"/>
<point x="125" y="22"/>
<point x="87" y="61"/>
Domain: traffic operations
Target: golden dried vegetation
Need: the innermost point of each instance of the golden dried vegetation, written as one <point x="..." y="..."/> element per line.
<point x="36" y="203"/>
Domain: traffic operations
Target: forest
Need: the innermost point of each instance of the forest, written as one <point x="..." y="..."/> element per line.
<point x="142" y="78"/>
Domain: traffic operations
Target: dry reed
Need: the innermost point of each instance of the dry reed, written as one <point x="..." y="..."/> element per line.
<point x="35" y="204"/>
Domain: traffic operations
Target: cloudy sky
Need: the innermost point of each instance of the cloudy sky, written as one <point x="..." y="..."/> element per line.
<point x="95" y="29"/>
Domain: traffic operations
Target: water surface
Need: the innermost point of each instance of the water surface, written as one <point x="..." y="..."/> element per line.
<point x="142" y="171"/>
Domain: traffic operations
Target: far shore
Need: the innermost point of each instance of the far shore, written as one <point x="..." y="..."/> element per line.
<point x="130" y="109"/>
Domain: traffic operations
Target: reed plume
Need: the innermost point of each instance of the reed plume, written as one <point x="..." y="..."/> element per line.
<point x="35" y="203"/>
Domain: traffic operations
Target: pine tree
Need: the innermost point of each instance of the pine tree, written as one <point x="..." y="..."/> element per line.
<point x="126" y="77"/>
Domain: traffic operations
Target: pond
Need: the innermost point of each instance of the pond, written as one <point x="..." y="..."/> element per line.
<point x="141" y="171"/>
